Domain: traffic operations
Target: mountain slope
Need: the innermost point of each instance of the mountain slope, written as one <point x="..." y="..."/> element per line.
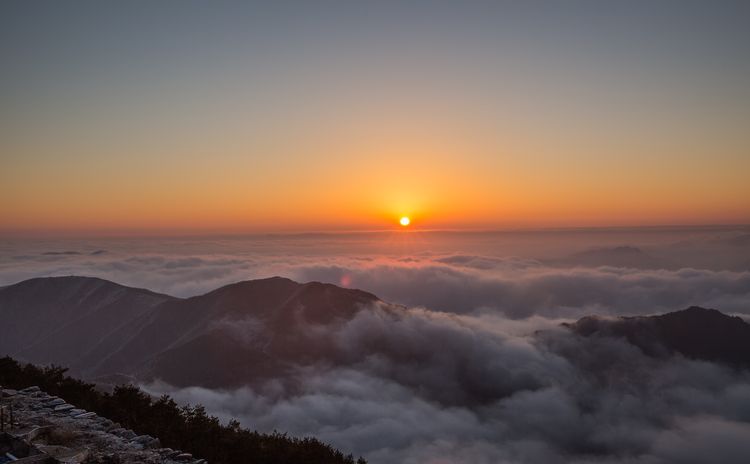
<point x="241" y="333"/>
<point x="69" y="320"/>
<point x="696" y="333"/>
<point x="237" y="334"/>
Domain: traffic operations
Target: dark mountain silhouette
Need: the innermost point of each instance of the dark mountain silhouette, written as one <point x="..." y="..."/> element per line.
<point x="238" y="334"/>
<point x="70" y="320"/>
<point x="696" y="333"/>
<point x="249" y="332"/>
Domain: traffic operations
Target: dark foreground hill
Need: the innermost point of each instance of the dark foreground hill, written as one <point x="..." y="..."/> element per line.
<point x="696" y="333"/>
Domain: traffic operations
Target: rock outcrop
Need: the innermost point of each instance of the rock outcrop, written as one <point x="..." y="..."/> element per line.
<point x="48" y="430"/>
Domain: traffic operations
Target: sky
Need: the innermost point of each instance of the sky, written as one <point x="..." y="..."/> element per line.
<point x="307" y="116"/>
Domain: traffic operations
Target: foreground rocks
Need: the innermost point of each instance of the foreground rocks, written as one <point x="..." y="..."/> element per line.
<point x="59" y="432"/>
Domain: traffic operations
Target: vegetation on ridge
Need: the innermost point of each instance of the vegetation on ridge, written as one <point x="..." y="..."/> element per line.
<point x="187" y="428"/>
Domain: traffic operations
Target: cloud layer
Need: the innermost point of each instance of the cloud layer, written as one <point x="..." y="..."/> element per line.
<point x="430" y="273"/>
<point x="522" y="291"/>
<point x="420" y="386"/>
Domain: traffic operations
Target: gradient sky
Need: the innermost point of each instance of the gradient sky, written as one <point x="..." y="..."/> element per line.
<point x="324" y="115"/>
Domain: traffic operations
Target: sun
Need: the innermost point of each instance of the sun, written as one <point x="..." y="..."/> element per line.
<point x="404" y="221"/>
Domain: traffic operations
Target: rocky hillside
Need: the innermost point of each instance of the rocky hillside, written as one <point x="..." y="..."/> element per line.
<point x="52" y="428"/>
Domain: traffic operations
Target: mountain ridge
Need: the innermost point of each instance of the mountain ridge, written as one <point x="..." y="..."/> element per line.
<point x="695" y="332"/>
<point x="250" y="332"/>
<point x="45" y="317"/>
<point x="180" y="340"/>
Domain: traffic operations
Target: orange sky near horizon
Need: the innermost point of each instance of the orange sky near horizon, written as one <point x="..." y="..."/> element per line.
<point x="368" y="175"/>
<point x="369" y="194"/>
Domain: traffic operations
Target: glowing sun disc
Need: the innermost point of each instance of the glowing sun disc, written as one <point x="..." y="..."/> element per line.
<point x="404" y="221"/>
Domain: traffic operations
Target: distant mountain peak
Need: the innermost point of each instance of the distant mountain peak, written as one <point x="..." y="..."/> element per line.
<point x="71" y="281"/>
<point x="694" y="332"/>
<point x="698" y="310"/>
<point x="251" y="284"/>
<point x="273" y="291"/>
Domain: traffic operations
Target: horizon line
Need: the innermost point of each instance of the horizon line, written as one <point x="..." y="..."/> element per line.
<point x="193" y="233"/>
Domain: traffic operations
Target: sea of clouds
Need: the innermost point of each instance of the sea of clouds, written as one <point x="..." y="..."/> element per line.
<point x="422" y="386"/>
<point x="475" y="367"/>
